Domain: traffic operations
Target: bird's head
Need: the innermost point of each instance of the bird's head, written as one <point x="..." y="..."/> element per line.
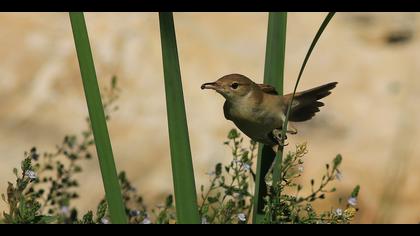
<point x="232" y="87"/>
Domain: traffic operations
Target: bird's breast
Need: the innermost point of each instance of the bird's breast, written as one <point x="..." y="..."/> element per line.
<point x="254" y="121"/>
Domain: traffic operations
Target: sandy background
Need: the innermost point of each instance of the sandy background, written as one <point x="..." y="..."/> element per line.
<point x="371" y="118"/>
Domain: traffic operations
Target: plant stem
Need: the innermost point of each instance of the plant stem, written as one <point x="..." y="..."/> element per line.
<point x="98" y="121"/>
<point x="182" y="168"/>
<point x="273" y="75"/>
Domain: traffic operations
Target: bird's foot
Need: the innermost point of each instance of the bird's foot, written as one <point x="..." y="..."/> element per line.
<point x="277" y="134"/>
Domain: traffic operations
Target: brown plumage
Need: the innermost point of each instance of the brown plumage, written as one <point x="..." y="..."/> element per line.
<point x="257" y="109"/>
<point x="307" y="103"/>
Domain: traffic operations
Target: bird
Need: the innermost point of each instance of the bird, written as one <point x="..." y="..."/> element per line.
<point x="258" y="110"/>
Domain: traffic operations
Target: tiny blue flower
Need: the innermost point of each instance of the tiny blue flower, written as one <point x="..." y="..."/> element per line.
<point x="30" y="174"/>
<point x="146" y="221"/>
<point x="352" y="201"/>
<point x="339" y="175"/>
<point x="204" y="220"/>
<point x="105" y="221"/>
<point x="242" y="217"/>
<point x="64" y="210"/>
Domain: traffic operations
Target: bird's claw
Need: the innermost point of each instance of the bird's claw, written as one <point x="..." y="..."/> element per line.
<point x="278" y="135"/>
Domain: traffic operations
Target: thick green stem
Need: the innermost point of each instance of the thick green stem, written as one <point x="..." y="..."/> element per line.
<point x="182" y="168"/>
<point x="273" y="75"/>
<point x="98" y="121"/>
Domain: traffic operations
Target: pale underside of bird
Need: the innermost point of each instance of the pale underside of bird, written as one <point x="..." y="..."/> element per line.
<point x="258" y="110"/>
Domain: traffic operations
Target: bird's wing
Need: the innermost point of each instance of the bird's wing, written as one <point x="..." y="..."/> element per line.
<point x="306" y="104"/>
<point x="266" y="88"/>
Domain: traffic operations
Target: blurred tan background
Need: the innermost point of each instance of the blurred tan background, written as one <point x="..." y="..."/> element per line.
<point x="371" y="118"/>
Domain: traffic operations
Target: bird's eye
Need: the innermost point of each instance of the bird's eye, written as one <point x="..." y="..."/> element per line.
<point x="234" y="85"/>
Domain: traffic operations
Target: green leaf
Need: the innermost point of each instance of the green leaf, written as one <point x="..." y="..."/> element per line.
<point x="114" y="82"/>
<point x="313" y="44"/>
<point x="47" y="219"/>
<point x="7" y="218"/>
<point x="26" y="164"/>
<point x="88" y="218"/>
<point x="182" y="168"/>
<point x="101" y="211"/>
<point x="273" y="75"/>
<point x="169" y="201"/>
<point x="279" y="40"/>
<point x="233" y="133"/>
<point x="305" y="61"/>
<point x="355" y="191"/>
<point x="337" y="161"/>
<point x="212" y="200"/>
<point x="218" y="170"/>
<point x="97" y="118"/>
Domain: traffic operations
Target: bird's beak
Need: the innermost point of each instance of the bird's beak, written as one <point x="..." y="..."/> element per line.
<point x="212" y="85"/>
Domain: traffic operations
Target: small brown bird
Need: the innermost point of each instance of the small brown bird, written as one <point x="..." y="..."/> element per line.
<point x="257" y="109"/>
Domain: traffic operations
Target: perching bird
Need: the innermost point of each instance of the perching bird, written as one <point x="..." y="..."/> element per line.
<point x="257" y="109"/>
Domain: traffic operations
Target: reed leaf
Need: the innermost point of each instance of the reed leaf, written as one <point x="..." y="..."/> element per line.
<point x="97" y="118"/>
<point x="273" y="75"/>
<point x="277" y="166"/>
<point x="182" y="168"/>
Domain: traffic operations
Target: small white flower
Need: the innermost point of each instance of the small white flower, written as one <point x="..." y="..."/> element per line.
<point x="247" y="166"/>
<point x="105" y="221"/>
<point x="339" y="175"/>
<point x="204" y="220"/>
<point x="352" y="201"/>
<point x="146" y="221"/>
<point x="339" y="212"/>
<point x="242" y="217"/>
<point x="300" y="169"/>
<point x="30" y="174"/>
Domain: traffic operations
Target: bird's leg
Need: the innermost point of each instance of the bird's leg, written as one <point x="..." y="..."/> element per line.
<point x="276" y="149"/>
<point x="277" y="135"/>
